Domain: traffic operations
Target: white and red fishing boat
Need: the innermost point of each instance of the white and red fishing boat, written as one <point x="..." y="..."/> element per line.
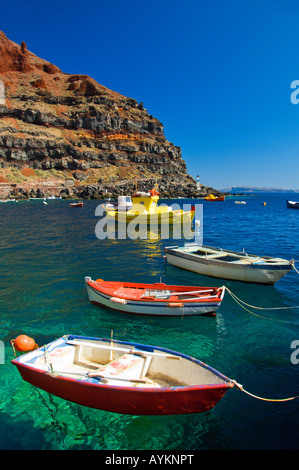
<point x="76" y="204"/>
<point x="156" y="299"/>
<point x="123" y="377"/>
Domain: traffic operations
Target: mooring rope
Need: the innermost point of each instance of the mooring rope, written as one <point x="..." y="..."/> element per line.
<point x="293" y="264"/>
<point x="260" y="308"/>
<point x="240" y="387"/>
<point x="240" y="302"/>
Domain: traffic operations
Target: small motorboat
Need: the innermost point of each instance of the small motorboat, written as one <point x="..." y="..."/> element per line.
<point x="211" y="197"/>
<point x="124" y="203"/>
<point x="76" y="204"/>
<point x="156" y="299"/>
<point x="293" y="204"/>
<point x="144" y="208"/>
<point x="227" y="264"/>
<point x="123" y="377"/>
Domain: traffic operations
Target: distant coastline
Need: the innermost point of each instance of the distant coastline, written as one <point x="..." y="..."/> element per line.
<point x="254" y="189"/>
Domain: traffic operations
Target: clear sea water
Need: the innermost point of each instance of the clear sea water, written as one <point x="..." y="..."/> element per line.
<point x="45" y="253"/>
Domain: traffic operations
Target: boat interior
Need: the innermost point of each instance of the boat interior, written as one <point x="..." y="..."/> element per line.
<point x="230" y="256"/>
<point x="156" y="292"/>
<point x="143" y="293"/>
<point x="122" y="365"/>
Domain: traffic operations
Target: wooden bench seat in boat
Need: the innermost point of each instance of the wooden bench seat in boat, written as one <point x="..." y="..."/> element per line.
<point x="120" y="365"/>
<point x="218" y="255"/>
<point x="129" y="366"/>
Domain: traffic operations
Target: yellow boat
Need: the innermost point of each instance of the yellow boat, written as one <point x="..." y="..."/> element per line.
<point x="211" y="197"/>
<point x="145" y="208"/>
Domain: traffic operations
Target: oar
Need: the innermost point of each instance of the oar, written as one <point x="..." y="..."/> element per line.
<point x="196" y="298"/>
<point x="186" y="293"/>
<point x="96" y="375"/>
<point x="111" y="351"/>
<point x="105" y="378"/>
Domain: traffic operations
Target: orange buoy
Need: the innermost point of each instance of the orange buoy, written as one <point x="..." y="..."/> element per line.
<point x="24" y="343"/>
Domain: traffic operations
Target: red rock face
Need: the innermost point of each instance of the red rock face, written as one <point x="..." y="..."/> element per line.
<point x="8" y="54"/>
<point x="15" y="58"/>
<point x="57" y="121"/>
<point x="39" y="83"/>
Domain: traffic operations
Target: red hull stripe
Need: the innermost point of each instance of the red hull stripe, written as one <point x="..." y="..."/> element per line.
<point x="127" y="400"/>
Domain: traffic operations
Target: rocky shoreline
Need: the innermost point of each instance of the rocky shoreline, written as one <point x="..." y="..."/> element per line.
<point x="167" y="189"/>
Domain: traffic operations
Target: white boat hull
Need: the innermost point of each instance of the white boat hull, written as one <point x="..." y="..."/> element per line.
<point x="247" y="272"/>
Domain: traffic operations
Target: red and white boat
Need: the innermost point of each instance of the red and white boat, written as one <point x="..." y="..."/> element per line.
<point x="122" y="377"/>
<point x="154" y="299"/>
<point x="76" y="204"/>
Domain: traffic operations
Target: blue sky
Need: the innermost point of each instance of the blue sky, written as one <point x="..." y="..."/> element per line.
<point x="216" y="73"/>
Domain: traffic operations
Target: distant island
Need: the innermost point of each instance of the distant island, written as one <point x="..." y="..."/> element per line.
<point x="254" y="189"/>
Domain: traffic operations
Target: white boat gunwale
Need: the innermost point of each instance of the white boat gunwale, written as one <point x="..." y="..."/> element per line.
<point x="27" y="360"/>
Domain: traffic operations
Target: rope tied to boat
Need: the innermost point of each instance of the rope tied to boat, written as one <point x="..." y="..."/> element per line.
<point x="240" y="387"/>
<point x="240" y="302"/>
<point x="293" y="264"/>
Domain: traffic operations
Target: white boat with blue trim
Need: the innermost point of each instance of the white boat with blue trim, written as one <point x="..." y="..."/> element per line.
<point x="227" y="264"/>
<point x="156" y="299"/>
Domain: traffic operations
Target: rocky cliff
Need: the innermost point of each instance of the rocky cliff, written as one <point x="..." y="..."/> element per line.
<point x="62" y="132"/>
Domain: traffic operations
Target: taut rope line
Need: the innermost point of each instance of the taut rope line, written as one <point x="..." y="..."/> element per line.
<point x="261" y="308"/>
<point x="240" y="302"/>
<point x="293" y="264"/>
<point x="239" y="386"/>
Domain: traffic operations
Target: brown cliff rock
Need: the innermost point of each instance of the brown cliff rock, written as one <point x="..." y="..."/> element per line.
<point x="66" y="125"/>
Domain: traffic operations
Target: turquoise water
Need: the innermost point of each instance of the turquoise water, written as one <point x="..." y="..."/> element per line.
<point x="46" y="251"/>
